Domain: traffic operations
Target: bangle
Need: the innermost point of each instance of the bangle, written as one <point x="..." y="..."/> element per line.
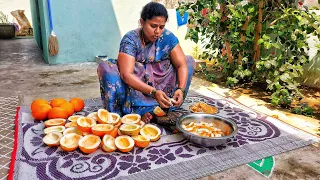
<point x="153" y="93"/>
<point x="182" y="89"/>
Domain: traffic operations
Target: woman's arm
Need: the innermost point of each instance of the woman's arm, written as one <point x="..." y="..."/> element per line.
<point x="179" y="61"/>
<point x="126" y="69"/>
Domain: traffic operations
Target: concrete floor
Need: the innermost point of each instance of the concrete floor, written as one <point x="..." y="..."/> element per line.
<point x="24" y="73"/>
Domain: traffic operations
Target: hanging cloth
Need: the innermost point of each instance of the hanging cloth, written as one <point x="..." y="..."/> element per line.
<point x="182" y="20"/>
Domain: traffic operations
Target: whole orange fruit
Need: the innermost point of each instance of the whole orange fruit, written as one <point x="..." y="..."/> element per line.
<point x="40" y="112"/>
<point x="77" y="103"/>
<point x="57" y="112"/>
<point x="56" y="102"/>
<point x="37" y="102"/>
<point x="68" y="107"/>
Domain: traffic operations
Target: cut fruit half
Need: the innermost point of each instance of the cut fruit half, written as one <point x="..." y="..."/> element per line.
<point x="108" y="143"/>
<point x="102" y="129"/>
<point x="141" y="141"/>
<point x="104" y="117"/>
<point x="52" y="139"/>
<point x="159" y="112"/>
<point x="72" y="130"/>
<point x="51" y="129"/>
<point x="89" y="143"/>
<point x="55" y="122"/>
<point x="124" y="143"/>
<point x="151" y="132"/>
<point x="131" y="118"/>
<point x="70" y="142"/>
<point x="85" y="124"/>
<point x="116" y="120"/>
<point x="93" y="115"/>
<point x="74" y="118"/>
<point x="71" y="124"/>
<point x="130" y="129"/>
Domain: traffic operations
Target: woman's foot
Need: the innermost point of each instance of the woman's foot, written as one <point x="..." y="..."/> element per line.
<point x="146" y="117"/>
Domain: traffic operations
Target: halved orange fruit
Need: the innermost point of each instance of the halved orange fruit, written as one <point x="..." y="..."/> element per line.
<point x="131" y="118"/>
<point x="51" y="129"/>
<point x="158" y="111"/>
<point x="93" y="115"/>
<point x="102" y="129"/>
<point x="74" y="118"/>
<point x="52" y="139"/>
<point x="141" y="141"/>
<point x="85" y="124"/>
<point x="108" y="143"/>
<point x="70" y="142"/>
<point x="55" y="122"/>
<point x="71" y="124"/>
<point x="124" y="143"/>
<point x="116" y="119"/>
<point x="72" y="130"/>
<point x="130" y="129"/>
<point x="151" y="132"/>
<point x="103" y="117"/>
<point x="89" y="143"/>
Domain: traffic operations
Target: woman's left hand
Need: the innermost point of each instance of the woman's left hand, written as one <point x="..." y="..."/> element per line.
<point x="178" y="97"/>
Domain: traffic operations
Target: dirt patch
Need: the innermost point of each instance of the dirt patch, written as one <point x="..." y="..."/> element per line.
<point x="52" y="73"/>
<point x="296" y="170"/>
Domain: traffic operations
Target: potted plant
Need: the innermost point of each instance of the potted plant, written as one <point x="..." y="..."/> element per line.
<point x="7" y="30"/>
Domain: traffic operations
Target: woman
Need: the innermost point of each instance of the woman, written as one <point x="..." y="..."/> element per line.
<point x="151" y="68"/>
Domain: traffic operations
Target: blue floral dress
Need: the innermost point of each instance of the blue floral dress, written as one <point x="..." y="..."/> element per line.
<point x="153" y="66"/>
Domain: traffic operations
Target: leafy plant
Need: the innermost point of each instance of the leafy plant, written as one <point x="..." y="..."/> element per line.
<point x="3" y="18"/>
<point x="257" y="41"/>
<point x="304" y="110"/>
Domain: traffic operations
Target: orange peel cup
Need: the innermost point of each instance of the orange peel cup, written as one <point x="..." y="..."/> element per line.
<point x="130" y="129"/>
<point x="71" y="124"/>
<point x="70" y="142"/>
<point x="85" y="124"/>
<point x="124" y="143"/>
<point x="89" y="143"/>
<point x="108" y="143"/>
<point x="131" y="118"/>
<point x="52" y="139"/>
<point x="151" y="132"/>
<point x="72" y="130"/>
<point x="141" y="141"/>
<point x="102" y="129"/>
<point x="74" y="118"/>
<point x="51" y="129"/>
<point x="55" y="122"/>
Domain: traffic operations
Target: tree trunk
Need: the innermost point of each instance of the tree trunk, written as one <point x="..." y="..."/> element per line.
<point x="256" y="47"/>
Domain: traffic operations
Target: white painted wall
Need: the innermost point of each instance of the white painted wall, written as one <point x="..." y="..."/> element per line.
<point x="6" y="6"/>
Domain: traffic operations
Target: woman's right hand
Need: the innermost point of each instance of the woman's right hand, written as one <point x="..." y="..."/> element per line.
<point x="162" y="99"/>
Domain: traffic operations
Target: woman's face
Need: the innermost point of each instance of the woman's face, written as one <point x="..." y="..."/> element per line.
<point x="153" y="28"/>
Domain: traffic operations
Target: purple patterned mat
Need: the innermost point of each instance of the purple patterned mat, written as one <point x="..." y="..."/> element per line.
<point x="172" y="157"/>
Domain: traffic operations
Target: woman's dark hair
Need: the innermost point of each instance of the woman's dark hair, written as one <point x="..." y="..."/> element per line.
<point x="153" y="9"/>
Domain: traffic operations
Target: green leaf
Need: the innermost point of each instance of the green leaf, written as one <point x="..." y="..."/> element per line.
<point x="260" y="41"/>
<point x="285" y="77"/>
